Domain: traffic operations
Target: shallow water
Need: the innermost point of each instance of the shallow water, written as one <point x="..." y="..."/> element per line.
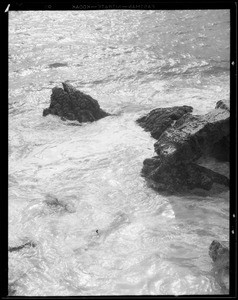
<point x="111" y="233"/>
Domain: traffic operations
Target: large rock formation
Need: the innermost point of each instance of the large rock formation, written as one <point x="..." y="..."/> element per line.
<point x="159" y="119"/>
<point x="219" y="252"/>
<point x="182" y="139"/>
<point x="71" y="104"/>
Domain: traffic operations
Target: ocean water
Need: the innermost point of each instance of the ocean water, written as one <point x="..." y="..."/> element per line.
<point x="111" y="233"/>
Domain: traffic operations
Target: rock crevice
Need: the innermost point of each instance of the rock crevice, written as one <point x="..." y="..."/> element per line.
<point x="183" y="139"/>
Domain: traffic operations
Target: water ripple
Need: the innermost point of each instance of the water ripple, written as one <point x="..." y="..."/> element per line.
<point x="76" y="191"/>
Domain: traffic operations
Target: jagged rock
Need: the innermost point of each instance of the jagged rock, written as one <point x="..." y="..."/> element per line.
<point x="224" y="104"/>
<point x="181" y="176"/>
<point x="219" y="252"/>
<point x="182" y="143"/>
<point x="193" y="136"/>
<point x="159" y="119"/>
<point x="71" y="104"/>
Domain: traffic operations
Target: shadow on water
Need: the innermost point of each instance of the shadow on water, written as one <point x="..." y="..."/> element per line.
<point x="198" y="214"/>
<point x="216" y="190"/>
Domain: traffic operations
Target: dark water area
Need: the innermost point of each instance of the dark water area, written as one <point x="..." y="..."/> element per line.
<point x="108" y="233"/>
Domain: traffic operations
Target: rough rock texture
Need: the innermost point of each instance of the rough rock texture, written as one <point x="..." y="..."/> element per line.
<point x="159" y="119"/>
<point x="181" y="176"/>
<point x="224" y="104"/>
<point x="180" y="144"/>
<point x="219" y="252"/>
<point x="71" y="104"/>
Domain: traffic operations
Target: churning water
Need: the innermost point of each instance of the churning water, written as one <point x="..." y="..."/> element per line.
<point x="111" y="234"/>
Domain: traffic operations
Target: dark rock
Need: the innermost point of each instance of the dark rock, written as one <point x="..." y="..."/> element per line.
<point x="193" y="136"/>
<point x="46" y="112"/>
<point x="159" y="119"/>
<point x="181" y="176"/>
<point x="182" y="143"/>
<point x="71" y="104"/>
<point x="20" y="247"/>
<point x="221" y="149"/>
<point x="219" y="252"/>
<point x="224" y="104"/>
<point x="58" y="65"/>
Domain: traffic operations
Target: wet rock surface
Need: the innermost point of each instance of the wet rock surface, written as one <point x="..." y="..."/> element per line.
<point x="180" y="144"/>
<point x="22" y="246"/>
<point x="224" y="104"/>
<point x="71" y="104"/>
<point x="58" y="65"/>
<point x="159" y="119"/>
<point x="59" y="204"/>
<point x="219" y="253"/>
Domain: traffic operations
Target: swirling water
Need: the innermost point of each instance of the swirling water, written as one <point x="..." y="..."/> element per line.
<point x="113" y="235"/>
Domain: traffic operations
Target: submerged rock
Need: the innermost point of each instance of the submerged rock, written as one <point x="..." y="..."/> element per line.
<point x="181" y="143"/>
<point x="11" y="289"/>
<point x="22" y="246"/>
<point x="219" y="252"/>
<point x="63" y="204"/>
<point x="58" y="65"/>
<point x="71" y="104"/>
